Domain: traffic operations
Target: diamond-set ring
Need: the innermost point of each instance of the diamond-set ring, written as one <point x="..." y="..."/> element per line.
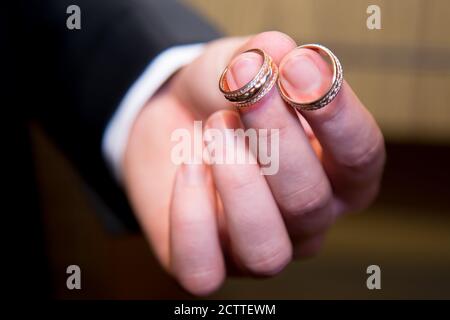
<point x="267" y="76"/>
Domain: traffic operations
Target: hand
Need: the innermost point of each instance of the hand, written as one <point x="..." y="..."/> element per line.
<point x="331" y="162"/>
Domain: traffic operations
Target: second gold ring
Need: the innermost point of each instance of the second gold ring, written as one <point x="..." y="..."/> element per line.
<point x="335" y="87"/>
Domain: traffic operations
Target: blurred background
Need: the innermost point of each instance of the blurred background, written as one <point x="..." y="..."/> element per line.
<point x="401" y="73"/>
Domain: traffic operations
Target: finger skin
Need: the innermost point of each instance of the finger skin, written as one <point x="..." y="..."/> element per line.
<point x="197" y="84"/>
<point x="149" y="172"/>
<point x="256" y="230"/>
<point x="196" y="258"/>
<point x="300" y="187"/>
<point x="353" y="145"/>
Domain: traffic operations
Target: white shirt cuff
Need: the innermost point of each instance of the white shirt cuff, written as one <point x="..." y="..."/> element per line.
<point x="117" y="131"/>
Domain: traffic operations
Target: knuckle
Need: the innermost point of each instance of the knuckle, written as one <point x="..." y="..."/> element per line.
<point x="360" y="159"/>
<point x="275" y="39"/>
<point x="312" y="198"/>
<point x="275" y="34"/>
<point x="269" y="262"/>
<point x="202" y="282"/>
<point x="238" y="181"/>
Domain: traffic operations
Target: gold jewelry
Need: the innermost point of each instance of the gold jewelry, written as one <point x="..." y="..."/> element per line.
<point x="255" y="89"/>
<point x="336" y="84"/>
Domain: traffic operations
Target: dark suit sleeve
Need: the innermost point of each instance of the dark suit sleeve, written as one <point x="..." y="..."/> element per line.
<point x="75" y="79"/>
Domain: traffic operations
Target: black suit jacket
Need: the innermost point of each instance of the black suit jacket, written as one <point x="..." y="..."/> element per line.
<point x="71" y="81"/>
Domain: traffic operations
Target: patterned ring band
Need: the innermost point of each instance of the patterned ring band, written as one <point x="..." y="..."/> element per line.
<point x="338" y="77"/>
<point x="255" y="89"/>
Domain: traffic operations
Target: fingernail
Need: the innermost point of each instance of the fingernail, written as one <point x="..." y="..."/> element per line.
<point x="243" y="69"/>
<point x="193" y="174"/>
<point x="301" y="75"/>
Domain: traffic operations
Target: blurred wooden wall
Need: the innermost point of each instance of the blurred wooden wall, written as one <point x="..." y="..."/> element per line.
<point x="401" y="72"/>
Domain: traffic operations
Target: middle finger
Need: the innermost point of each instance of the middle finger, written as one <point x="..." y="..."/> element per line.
<point x="259" y="240"/>
<point x="300" y="187"/>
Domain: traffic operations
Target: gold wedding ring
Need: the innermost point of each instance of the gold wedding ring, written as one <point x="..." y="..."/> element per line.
<point x="255" y="89"/>
<point x="338" y="77"/>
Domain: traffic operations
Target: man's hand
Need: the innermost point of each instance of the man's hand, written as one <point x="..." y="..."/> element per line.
<point x="199" y="218"/>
